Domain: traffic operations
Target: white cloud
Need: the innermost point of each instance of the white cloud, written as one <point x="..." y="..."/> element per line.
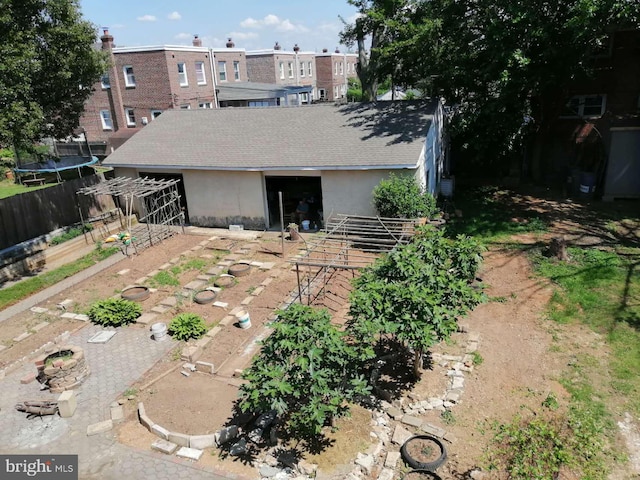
<point x="242" y="35"/>
<point x="183" y="36"/>
<point x="147" y="18"/>
<point x="174" y="16"/>
<point x="275" y="22"/>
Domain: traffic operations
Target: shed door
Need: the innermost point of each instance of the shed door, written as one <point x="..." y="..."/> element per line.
<point x="623" y="171"/>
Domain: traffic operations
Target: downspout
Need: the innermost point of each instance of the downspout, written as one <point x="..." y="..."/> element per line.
<point x="212" y="62"/>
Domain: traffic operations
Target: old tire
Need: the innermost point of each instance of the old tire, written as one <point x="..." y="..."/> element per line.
<point x="137" y="293"/>
<point x="417" y="465"/>
<point x="204" y="296"/>
<point x="421" y="474"/>
<point x="239" y="269"/>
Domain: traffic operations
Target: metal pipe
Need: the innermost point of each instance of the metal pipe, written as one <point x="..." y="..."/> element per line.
<point x="281" y="205"/>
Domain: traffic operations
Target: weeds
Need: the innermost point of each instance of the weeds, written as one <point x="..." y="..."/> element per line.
<point x="448" y="418"/>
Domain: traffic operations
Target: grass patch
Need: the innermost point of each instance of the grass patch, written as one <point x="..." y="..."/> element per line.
<point x="164" y="278"/>
<point x="69" y="235"/>
<point x="24" y="288"/>
<point x="8" y="188"/>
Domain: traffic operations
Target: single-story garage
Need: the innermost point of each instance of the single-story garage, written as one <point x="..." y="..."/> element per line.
<point x="232" y="162"/>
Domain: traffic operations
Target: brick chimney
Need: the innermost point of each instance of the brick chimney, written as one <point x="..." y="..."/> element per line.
<point x="197" y="41"/>
<point x="277" y="46"/>
<point x="107" y="40"/>
<point x="324" y="50"/>
<point x="230" y="43"/>
<point x="337" y="50"/>
<point x="296" y="48"/>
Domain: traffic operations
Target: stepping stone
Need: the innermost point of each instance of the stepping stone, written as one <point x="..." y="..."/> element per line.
<point x="257" y="291"/>
<point x="141" y="280"/>
<point x="267" y="281"/>
<point x="174" y="260"/>
<point x="235" y="310"/>
<point x="214" y="331"/>
<point x="190" y="453"/>
<point x="242" y="251"/>
<point x="146" y="318"/>
<point x="225" y="263"/>
<point x="165" y="266"/>
<point x="63" y="305"/>
<point x="21" y="337"/>
<point x="206" y="256"/>
<point x="247" y="300"/>
<point x="433" y="430"/>
<point x="82" y="317"/>
<point x="169" y="301"/>
<point x="196" y="248"/>
<point x="220" y="304"/>
<point x="227" y="320"/>
<point x="39" y="310"/>
<point x="124" y="272"/>
<point x="267" y="265"/>
<point x="195" y="285"/>
<point x="68" y="315"/>
<point x="40" y="326"/>
<point x="99" y="427"/>
<point x="2" y="347"/>
<point x="244" y="261"/>
<point x="256" y="264"/>
<point x="164" y="446"/>
<point x="204" y="242"/>
<point x="160" y="309"/>
<point x="204" y="278"/>
<point x="214" y="271"/>
<point x="232" y="258"/>
<point x="211" y="239"/>
<point x="153" y="273"/>
<point x="102" y="337"/>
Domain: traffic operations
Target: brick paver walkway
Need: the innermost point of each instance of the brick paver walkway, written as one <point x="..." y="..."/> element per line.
<point x="114" y="367"/>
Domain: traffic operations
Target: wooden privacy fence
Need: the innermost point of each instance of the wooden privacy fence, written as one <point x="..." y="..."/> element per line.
<point x="32" y="214"/>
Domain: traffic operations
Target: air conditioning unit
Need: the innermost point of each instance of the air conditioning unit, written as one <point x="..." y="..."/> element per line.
<point x="145" y="120"/>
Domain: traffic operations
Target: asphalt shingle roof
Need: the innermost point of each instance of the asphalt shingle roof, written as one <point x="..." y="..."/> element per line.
<point x="358" y="136"/>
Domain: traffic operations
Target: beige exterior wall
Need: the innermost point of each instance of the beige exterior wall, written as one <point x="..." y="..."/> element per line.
<point x="219" y="198"/>
<point x="349" y="191"/>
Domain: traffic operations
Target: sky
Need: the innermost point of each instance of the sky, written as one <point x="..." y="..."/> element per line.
<point x="252" y="24"/>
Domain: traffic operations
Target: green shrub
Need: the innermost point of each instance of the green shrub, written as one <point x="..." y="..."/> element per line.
<point x="186" y="326"/>
<point x="402" y="197"/>
<point x="114" y="312"/>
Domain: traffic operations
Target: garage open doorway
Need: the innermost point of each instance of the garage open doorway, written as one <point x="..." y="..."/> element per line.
<point x="181" y="190"/>
<point x="293" y="190"/>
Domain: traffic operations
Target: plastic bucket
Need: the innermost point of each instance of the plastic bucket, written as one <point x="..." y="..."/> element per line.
<point x="159" y="331"/>
<point x="244" y="321"/>
<point x="587" y="182"/>
<point x="305" y="224"/>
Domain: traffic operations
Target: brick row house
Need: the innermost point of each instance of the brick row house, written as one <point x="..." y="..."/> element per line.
<point x="142" y="82"/>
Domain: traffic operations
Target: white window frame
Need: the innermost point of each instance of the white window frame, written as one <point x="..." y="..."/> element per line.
<point x="581" y="106"/>
<point x="155" y="114"/>
<point x="341" y="68"/>
<point x="130" y="115"/>
<point x="310" y="68"/>
<point x="182" y="74"/>
<point x="290" y="69"/>
<point x="281" y="68"/>
<point x="105" y="81"/>
<point x="302" y="70"/>
<point x="107" y="122"/>
<point x="201" y="76"/>
<point x="335" y="68"/>
<point x="236" y="70"/>
<point x="129" y="77"/>
<point x="222" y="71"/>
<point x="205" y="105"/>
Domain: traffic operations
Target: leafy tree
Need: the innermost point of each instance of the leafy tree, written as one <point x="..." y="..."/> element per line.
<point x="402" y="197"/>
<point x="506" y="66"/>
<point x="354" y="91"/>
<point x="306" y="371"/>
<point x="47" y="69"/>
<point x="415" y="293"/>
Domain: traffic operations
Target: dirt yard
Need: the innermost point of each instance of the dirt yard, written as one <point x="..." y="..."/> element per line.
<point x="523" y="354"/>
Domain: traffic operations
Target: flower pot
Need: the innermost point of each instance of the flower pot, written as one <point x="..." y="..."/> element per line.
<point x="9" y="174"/>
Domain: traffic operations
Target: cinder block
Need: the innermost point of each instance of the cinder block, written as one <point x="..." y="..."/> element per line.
<point x="67" y="403"/>
<point x="227" y="320"/>
<point x="28" y="378"/>
<point x="213" y="332"/>
<point x="191" y="354"/>
<point x="99" y="427"/>
<point x="164" y="446"/>
<point x="179" y="439"/>
<point x="117" y="413"/>
<point x="190" y="453"/>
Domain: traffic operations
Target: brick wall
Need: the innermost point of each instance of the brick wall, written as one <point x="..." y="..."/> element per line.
<point x="262" y="68"/>
<point x="229" y="56"/>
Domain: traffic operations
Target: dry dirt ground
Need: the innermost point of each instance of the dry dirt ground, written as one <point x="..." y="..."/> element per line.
<point x="523" y="354"/>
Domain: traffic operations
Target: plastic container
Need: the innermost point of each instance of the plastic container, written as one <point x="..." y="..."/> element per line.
<point x="305" y="224"/>
<point x="244" y="321"/>
<point x="159" y="331"/>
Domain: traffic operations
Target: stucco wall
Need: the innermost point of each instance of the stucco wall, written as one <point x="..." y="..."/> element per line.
<point x="348" y="191"/>
<point x="218" y="199"/>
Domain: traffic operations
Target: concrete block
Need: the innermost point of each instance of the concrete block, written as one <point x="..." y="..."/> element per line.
<point x="160" y="431"/>
<point x="141" y="280"/>
<point x="160" y="309"/>
<point x="213" y="332"/>
<point x="153" y="273"/>
<point x="203" y="342"/>
<point x="257" y="291"/>
<point x="366" y="462"/>
<point x="191" y="354"/>
<point x="190" y="453"/>
<point x="401" y="435"/>
<point x="394" y="413"/>
<point x="220" y="304"/>
<point x="392" y="459"/>
<point x="235" y="310"/>
<point x="189" y="366"/>
<point x="386" y="474"/>
<point x="266" y="281"/>
<point x="267" y="265"/>
<point x="22" y="336"/>
<point x="247" y="300"/>
<point x="411" y="421"/>
<point x="227" y="320"/>
<point x="39" y="310"/>
<point x="63" y="305"/>
<point x="202" y="441"/>
<point x="117" y="413"/>
<point x="146" y="318"/>
<point x="204" y="278"/>
<point x="82" y="317"/>
<point x="100" y="427"/>
<point x="68" y="315"/>
<point x="179" y="439"/>
<point x="164" y="446"/>
<point x="205" y="367"/>
<point x="146" y="421"/>
<point x="40" y="326"/>
<point x="169" y="301"/>
<point x="164" y="266"/>
<point x="174" y="260"/>
<point x="67" y="403"/>
<point x="433" y="430"/>
<point x="195" y="285"/>
<point x="124" y="272"/>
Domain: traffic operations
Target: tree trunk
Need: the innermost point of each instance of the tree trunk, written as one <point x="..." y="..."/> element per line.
<point x="558" y="248"/>
<point x="417" y="364"/>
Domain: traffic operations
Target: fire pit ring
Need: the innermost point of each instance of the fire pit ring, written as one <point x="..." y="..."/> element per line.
<point x="63" y="369"/>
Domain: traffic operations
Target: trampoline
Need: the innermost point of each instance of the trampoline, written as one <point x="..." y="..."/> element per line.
<point x="52" y="165"/>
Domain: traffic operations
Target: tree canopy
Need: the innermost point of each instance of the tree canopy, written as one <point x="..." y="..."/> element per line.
<point x="505" y="66"/>
<point x="48" y="66"/>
